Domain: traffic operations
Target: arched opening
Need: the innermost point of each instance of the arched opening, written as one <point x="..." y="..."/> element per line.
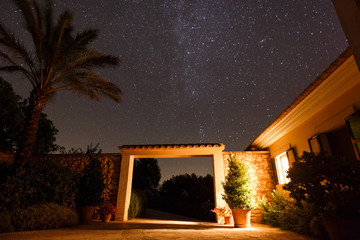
<point x="129" y="153"/>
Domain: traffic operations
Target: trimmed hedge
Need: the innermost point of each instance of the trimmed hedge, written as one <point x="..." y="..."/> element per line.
<point x="138" y="203"/>
<point x="38" y="217"/>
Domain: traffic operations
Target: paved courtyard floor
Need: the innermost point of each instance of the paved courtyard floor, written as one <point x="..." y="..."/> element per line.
<point x="158" y="226"/>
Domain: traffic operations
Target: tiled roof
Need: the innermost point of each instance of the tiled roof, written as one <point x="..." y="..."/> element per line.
<point x="170" y="146"/>
<point x="320" y="79"/>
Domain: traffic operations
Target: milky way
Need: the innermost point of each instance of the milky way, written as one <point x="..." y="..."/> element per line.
<point x="193" y="71"/>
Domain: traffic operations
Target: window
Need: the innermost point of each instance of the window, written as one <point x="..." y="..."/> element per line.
<point x="282" y="166"/>
<point x="353" y="123"/>
<point x="315" y="144"/>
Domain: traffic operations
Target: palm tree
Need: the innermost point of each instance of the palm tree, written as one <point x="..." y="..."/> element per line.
<point x="57" y="61"/>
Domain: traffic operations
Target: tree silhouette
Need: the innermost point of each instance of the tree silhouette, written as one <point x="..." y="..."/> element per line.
<point x="146" y="174"/>
<point x="58" y="61"/>
<point x="12" y="113"/>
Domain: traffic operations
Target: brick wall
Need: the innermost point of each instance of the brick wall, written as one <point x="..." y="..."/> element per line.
<point x="261" y="175"/>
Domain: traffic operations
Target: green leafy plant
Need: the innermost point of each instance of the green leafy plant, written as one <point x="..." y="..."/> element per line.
<point x="38" y="217"/>
<point x="92" y="184"/>
<point x="138" y="203"/>
<point x="237" y="186"/>
<point x="283" y="212"/>
<point x="330" y="183"/>
<point x="35" y="182"/>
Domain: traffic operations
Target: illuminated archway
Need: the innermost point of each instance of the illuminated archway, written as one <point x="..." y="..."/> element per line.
<point x="130" y="152"/>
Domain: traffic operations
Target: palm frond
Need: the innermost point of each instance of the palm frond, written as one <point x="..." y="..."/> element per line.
<point x="86" y="37"/>
<point x="91" y="85"/>
<point x="32" y="20"/>
<point x="8" y="41"/>
<point x="12" y="64"/>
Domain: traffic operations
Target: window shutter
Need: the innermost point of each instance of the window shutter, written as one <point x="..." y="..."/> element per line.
<point x="291" y="156"/>
<point x="273" y="166"/>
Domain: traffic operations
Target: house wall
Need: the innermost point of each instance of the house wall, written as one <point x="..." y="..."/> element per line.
<point x="327" y="119"/>
<point x="261" y="174"/>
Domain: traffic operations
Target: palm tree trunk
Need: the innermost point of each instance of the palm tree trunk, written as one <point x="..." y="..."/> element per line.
<point x="38" y="101"/>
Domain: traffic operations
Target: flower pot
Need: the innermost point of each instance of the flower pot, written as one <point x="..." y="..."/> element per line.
<point x="106" y="218"/>
<point x="227" y="219"/>
<point x="241" y="218"/>
<point x="86" y="213"/>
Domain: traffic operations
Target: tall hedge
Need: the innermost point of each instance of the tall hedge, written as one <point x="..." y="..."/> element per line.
<point x="138" y="203"/>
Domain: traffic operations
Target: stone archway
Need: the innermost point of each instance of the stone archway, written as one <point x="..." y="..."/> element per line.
<point x="130" y="152"/>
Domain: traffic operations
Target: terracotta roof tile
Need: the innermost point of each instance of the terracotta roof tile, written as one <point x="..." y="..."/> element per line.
<point x="169" y="146"/>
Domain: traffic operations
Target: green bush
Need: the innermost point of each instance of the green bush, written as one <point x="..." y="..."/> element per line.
<point x="237" y="186"/>
<point x="38" y="182"/>
<point x="138" y="203"/>
<point x="38" y="217"/>
<point x="92" y="184"/>
<point x="284" y="213"/>
<point x="330" y="183"/>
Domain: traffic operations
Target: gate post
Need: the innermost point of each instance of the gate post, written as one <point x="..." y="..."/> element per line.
<point x="124" y="189"/>
<point x="219" y="178"/>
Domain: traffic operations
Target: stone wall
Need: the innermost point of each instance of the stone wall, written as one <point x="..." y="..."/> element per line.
<point x="110" y="161"/>
<point x="261" y="174"/>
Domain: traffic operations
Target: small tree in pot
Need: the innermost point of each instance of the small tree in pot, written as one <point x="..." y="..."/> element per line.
<point x="239" y="192"/>
<point x="91" y="188"/>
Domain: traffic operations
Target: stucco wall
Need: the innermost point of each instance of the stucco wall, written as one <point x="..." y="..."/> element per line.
<point x="329" y="118"/>
<point x="261" y="174"/>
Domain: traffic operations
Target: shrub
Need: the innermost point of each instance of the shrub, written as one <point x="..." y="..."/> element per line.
<point x="38" y="217"/>
<point x="38" y="182"/>
<point x="330" y="183"/>
<point x="92" y="184"/>
<point x="284" y="213"/>
<point x="237" y="187"/>
<point x="138" y="203"/>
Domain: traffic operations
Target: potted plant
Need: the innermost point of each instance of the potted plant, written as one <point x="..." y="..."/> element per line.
<point x="331" y="185"/>
<point x="106" y="211"/>
<point x="239" y="192"/>
<point x="91" y="188"/>
<point x="223" y="212"/>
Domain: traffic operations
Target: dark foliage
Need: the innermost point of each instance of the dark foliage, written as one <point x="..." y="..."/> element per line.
<point x="330" y="183"/>
<point x="92" y="184"/>
<point x="38" y="182"/>
<point x="146" y="174"/>
<point x="38" y="217"/>
<point x="13" y="110"/>
<point x="189" y="195"/>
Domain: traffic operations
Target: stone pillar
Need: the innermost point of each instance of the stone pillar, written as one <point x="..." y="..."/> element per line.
<point x="124" y="189"/>
<point x="219" y="178"/>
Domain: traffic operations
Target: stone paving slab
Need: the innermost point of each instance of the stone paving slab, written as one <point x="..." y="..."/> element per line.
<point x="157" y="229"/>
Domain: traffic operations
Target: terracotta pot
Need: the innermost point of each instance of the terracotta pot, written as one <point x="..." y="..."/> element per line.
<point x="227" y="219"/>
<point x="86" y="213"/>
<point x="241" y="218"/>
<point x="106" y="218"/>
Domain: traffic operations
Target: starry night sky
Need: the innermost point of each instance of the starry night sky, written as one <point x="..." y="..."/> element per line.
<point x="192" y="71"/>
